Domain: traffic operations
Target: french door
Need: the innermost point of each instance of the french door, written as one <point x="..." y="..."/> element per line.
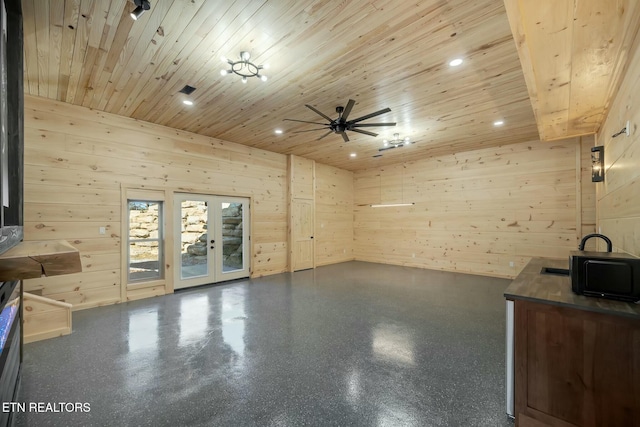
<point x="212" y="239"/>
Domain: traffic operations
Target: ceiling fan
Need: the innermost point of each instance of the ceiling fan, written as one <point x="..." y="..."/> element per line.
<point x="341" y="125"/>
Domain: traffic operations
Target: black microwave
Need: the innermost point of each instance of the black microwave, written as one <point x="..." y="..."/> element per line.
<point x="605" y="275"/>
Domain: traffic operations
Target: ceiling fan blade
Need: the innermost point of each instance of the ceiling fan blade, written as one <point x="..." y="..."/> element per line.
<point x="310" y="130"/>
<point x="361" y="125"/>
<point x="368" y="116"/>
<point x="344" y="136"/>
<point x="318" y="112"/>
<point x="364" y="131"/>
<point x="304" y="121"/>
<point x="324" y="135"/>
<point x="347" y="109"/>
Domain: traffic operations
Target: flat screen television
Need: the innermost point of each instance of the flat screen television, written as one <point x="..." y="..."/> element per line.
<point x="11" y="125"/>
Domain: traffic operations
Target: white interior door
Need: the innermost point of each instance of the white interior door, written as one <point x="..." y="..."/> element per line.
<point x="303" y="249"/>
<point x="212" y="239"/>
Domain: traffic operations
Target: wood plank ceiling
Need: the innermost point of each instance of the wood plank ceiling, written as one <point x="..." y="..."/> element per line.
<point x="574" y="53"/>
<point x="383" y="53"/>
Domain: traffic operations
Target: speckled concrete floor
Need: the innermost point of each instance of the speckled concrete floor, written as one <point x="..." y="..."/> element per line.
<point x="353" y="344"/>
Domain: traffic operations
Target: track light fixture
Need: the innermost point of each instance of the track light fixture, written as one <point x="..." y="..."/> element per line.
<point x="244" y="68"/>
<point x="141" y="7"/>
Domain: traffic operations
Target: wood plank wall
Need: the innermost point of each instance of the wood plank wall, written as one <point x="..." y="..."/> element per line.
<point x="76" y="160"/>
<point x="474" y="212"/>
<point x="587" y="193"/>
<point x="334" y="215"/>
<point x="618" y="197"/>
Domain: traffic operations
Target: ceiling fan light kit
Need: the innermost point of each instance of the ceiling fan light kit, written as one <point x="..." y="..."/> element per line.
<point x="342" y="124"/>
<point x="244" y="68"/>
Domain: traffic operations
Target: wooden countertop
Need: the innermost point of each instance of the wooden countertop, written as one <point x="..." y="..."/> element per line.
<point x="30" y="260"/>
<point x="530" y="285"/>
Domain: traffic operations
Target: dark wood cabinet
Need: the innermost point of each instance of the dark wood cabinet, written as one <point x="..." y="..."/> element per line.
<point x="575" y="367"/>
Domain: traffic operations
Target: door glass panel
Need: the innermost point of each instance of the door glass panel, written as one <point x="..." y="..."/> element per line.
<point x="214" y="239"/>
<point x="232" y="237"/>
<point x="193" y="239"/>
<point x="145" y="260"/>
<point x="145" y="240"/>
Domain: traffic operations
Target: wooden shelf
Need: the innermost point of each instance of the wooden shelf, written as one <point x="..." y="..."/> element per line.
<point x="30" y="260"/>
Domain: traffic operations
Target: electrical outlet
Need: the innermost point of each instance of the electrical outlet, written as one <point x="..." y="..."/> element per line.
<point x="512" y="264"/>
<point x="413" y="255"/>
<point x="103" y="230"/>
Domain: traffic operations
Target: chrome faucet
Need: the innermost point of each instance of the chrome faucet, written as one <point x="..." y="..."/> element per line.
<point x="602" y="236"/>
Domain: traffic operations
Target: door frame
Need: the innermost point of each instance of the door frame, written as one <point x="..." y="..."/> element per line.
<point x="294" y="237"/>
<point x="163" y="285"/>
<point x="214" y="257"/>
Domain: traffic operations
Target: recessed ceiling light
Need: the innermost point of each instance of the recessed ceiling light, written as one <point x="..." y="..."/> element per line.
<point x="353" y="154"/>
<point x="187" y="102"/>
<point x="278" y="131"/>
<point x="498" y="123"/>
<point x="455" y="62"/>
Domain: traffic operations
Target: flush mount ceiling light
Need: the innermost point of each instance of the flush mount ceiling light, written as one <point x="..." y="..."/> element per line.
<point x="187" y="102"/>
<point x="278" y="131"/>
<point x="498" y="123"/>
<point x="456" y="62"/>
<point x="244" y="68"/>
<point x="396" y="142"/>
<point x="141" y="7"/>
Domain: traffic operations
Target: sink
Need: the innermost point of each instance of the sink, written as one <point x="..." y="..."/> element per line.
<point x="555" y="271"/>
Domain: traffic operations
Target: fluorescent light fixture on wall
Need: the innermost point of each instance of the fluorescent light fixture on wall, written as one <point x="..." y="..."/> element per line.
<point x="597" y="164"/>
<point x="391" y="205"/>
